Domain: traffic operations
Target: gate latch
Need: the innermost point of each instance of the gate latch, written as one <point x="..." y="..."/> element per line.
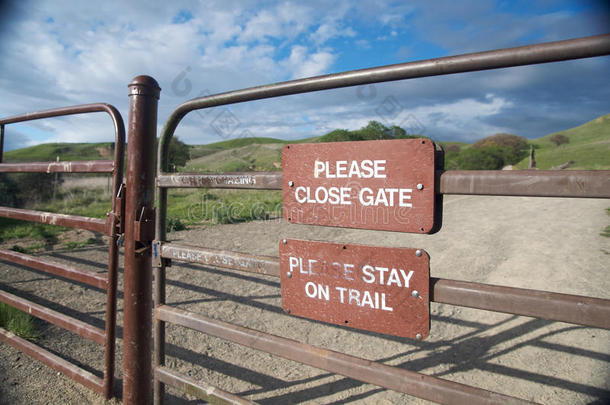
<point x="144" y="227"/>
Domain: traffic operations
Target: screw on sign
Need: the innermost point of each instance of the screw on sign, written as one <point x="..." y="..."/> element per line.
<point x="383" y="185"/>
<point x="380" y="289"/>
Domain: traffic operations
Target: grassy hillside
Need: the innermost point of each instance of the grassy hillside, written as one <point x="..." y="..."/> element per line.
<point x="589" y="147"/>
<point x="48" y="152"/>
<point x="254" y="156"/>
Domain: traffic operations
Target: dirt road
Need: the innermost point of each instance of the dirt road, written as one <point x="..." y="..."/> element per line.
<point x="549" y="244"/>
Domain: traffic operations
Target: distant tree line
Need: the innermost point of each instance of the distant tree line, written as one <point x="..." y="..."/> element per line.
<point x="491" y="153"/>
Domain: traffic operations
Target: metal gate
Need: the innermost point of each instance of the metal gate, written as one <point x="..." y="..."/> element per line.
<point x="111" y="226"/>
<point x="553" y="306"/>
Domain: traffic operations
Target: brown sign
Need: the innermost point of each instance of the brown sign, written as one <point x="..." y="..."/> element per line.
<point x="383" y="185"/>
<point x="379" y="289"/>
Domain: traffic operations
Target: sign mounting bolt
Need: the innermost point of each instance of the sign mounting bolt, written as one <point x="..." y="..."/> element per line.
<point x="284" y="241"/>
<point x="418" y="253"/>
<point x="415" y="293"/>
<point x="420" y="186"/>
<point x="289" y="274"/>
<point x="418" y="336"/>
<point x="291" y="183"/>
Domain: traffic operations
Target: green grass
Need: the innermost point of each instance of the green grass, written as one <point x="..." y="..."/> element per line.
<point x="589" y="147"/>
<point x="14" y="229"/>
<point x="252" y="157"/>
<point x="20" y="323"/>
<point x="222" y="206"/>
<point x="48" y="152"/>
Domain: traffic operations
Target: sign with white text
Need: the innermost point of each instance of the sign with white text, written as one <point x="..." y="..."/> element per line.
<point x="383" y="185"/>
<point x="380" y="289"/>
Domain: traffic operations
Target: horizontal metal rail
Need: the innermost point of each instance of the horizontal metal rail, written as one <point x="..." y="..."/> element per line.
<point x="524" y="183"/>
<point x="50" y="218"/>
<point x="527" y="183"/>
<point x="405" y="381"/>
<point x="207" y="392"/>
<point x="575" y="309"/>
<point x="502" y="58"/>
<point x="267" y="265"/>
<point x="56" y="318"/>
<point x="252" y="180"/>
<point x="568" y="308"/>
<point x="96" y="280"/>
<point x="84" y="166"/>
<point x="55" y="362"/>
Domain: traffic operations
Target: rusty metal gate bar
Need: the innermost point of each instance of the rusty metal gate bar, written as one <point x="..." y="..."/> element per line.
<point x="111" y="226"/>
<point x="523" y="183"/>
<point x="582" y="310"/>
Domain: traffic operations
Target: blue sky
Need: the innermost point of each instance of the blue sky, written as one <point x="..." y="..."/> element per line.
<point x="65" y="53"/>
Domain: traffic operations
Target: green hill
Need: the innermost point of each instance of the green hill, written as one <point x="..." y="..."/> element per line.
<point x="48" y="152"/>
<point x="589" y="147"/>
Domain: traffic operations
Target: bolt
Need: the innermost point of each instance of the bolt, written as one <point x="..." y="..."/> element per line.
<point x="415" y="293"/>
<point x="418" y="253"/>
<point x="291" y="183"/>
<point x="284" y="241"/>
<point x="289" y="275"/>
<point x="420" y="186"/>
<point x="418" y="336"/>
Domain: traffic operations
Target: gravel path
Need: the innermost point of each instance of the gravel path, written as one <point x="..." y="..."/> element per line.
<point x="550" y="244"/>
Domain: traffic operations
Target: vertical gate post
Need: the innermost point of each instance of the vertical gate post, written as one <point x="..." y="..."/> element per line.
<point x="1" y="142"/>
<point x="139" y="198"/>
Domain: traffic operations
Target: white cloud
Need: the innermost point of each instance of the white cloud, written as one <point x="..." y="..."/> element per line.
<point x="305" y="64"/>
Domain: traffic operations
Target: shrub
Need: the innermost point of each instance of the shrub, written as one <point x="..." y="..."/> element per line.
<point x="559" y="139"/>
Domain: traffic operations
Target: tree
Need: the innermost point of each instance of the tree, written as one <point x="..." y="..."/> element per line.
<point x="490" y="158"/>
<point x="514" y="147"/>
<point x="559" y="139"/>
<point x="178" y="153"/>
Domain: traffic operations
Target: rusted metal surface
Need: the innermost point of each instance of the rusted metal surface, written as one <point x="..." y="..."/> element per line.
<point x="55" y="362"/>
<point x="382" y="185"/>
<point x="62" y="270"/>
<point x="252" y="180"/>
<point x="209" y="393"/>
<point x="267" y="265"/>
<point x="67" y="322"/>
<point x="112" y="227"/>
<point x="409" y="382"/>
<point x="72" y="221"/>
<point x="1" y="141"/>
<point x="579" y="310"/>
<point x="532" y="183"/>
<point x="137" y="374"/>
<point x="574" y="309"/>
<point x="380" y="289"/>
<point x="84" y="166"/>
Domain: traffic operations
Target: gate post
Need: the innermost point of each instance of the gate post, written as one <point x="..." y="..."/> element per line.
<point x="139" y="199"/>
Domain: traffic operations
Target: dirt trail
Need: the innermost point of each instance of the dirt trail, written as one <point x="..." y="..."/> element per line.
<point x="549" y="244"/>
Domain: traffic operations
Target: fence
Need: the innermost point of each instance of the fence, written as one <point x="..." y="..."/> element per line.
<point x="110" y="226"/>
<point x="560" y="307"/>
<point x="146" y="245"/>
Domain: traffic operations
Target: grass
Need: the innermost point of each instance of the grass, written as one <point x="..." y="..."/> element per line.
<point x="20" y="323"/>
<point x="589" y="147"/>
<point x="222" y="206"/>
<point x="66" y="151"/>
<point x="15" y="229"/>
